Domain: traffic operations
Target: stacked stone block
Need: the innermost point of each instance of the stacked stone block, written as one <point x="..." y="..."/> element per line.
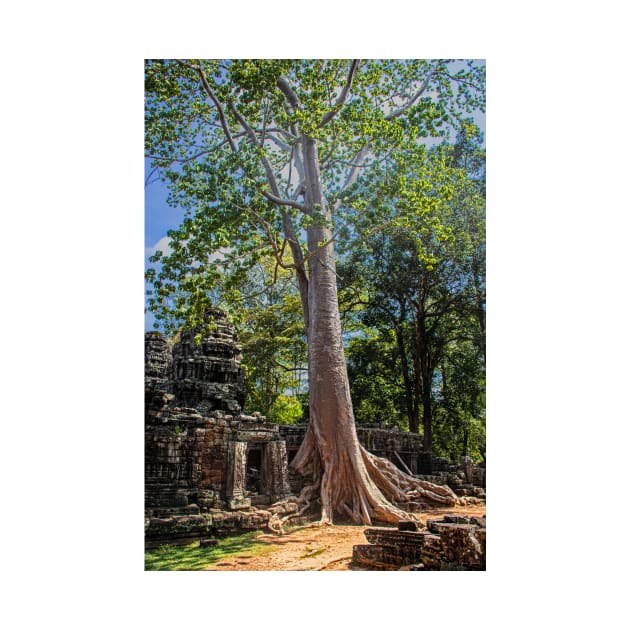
<point x="455" y="543"/>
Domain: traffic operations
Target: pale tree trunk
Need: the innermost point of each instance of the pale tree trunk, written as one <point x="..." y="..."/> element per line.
<point x="351" y="481"/>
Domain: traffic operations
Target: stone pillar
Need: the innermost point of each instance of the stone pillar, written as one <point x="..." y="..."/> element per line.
<point x="235" y="487"/>
<point x="275" y="471"/>
<point x="467" y="465"/>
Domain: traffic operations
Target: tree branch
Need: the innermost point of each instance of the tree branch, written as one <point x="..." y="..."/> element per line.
<point x="181" y="62"/>
<point x="277" y="253"/>
<point x="459" y="79"/>
<point x="215" y="100"/>
<point x="445" y="307"/>
<point x="298" y="259"/>
<point x="279" y="143"/>
<point x="271" y="178"/>
<point x="344" y="94"/>
<point x="275" y="195"/>
<point x="354" y="173"/>
<point x="284" y="202"/>
<point x="286" y="89"/>
<point x="192" y="157"/>
<point x="414" y="98"/>
<point x="146" y="181"/>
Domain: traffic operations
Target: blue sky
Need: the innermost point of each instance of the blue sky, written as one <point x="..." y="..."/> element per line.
<point x="159" y="217"/>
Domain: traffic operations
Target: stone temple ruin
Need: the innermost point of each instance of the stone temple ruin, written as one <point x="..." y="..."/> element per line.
<point x="206" y="461"/>
<point x="212" y="469"/>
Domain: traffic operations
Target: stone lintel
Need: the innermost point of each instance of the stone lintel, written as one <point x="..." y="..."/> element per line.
<point x="437" y="527"/>
<point x="258" y="436"/>
<point x="255" y="432"/>
<point x="239" y="503"/>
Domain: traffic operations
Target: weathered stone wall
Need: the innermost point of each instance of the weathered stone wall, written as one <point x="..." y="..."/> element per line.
<point x="183" y="529"/>
<point x="399" y="447"/>
<point x="157" y="363"/>
<point x="196" y="474"/>
<point x="185" y="460"/>
<point x="198" y="440"/>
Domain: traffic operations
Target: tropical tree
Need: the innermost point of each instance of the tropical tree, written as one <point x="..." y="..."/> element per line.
<point x="421" y="278"/>
<point x="459" y="409"/>
<point x="378" y="396"/>
<point x="468" y="157"/>
<point x="286" y="410"/>
<point x="261" y="154"/>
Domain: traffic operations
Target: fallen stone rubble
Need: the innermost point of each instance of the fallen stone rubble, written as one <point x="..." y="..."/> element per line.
<point x="454" y="543"/>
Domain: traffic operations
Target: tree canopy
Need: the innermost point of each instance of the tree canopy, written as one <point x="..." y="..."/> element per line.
<point x="226" y="137"/>
<point x="419" y="285"/>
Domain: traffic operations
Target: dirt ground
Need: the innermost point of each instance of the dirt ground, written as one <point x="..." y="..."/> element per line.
<point x="315" y="548"/>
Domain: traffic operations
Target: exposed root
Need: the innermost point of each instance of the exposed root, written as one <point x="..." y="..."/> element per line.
<point x="358" y="485"/>
<point x="305" y="500"/>
<point x="400" y="487"/>
<point x="275" y="525"/>
<point x="289" y="508"/>
<point x="470" y="501"/>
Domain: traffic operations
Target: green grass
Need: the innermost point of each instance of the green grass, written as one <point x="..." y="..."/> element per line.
<point x="195" y="558"/>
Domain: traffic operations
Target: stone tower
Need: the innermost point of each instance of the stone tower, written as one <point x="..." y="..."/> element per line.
<point x="208" y="376"/>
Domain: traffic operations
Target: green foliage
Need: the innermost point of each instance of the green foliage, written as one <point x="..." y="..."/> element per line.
<point x="460" y="427"/>
<point x="220" y="182"/>
<point x="286" y="410"/>
<point x="375" y="381"/>
<point x="272" y="334"/>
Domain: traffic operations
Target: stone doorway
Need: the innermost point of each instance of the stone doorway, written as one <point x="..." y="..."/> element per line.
<point x="253" y="470"/>
<point x="257" y="472"/>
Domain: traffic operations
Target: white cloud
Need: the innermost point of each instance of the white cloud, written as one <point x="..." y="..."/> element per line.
<point x="163" y="245"/>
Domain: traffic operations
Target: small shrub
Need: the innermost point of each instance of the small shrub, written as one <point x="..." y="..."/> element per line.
<point x="285" y="410"/>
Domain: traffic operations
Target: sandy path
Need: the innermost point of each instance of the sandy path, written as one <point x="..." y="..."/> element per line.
<point x="315" y="548"/>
